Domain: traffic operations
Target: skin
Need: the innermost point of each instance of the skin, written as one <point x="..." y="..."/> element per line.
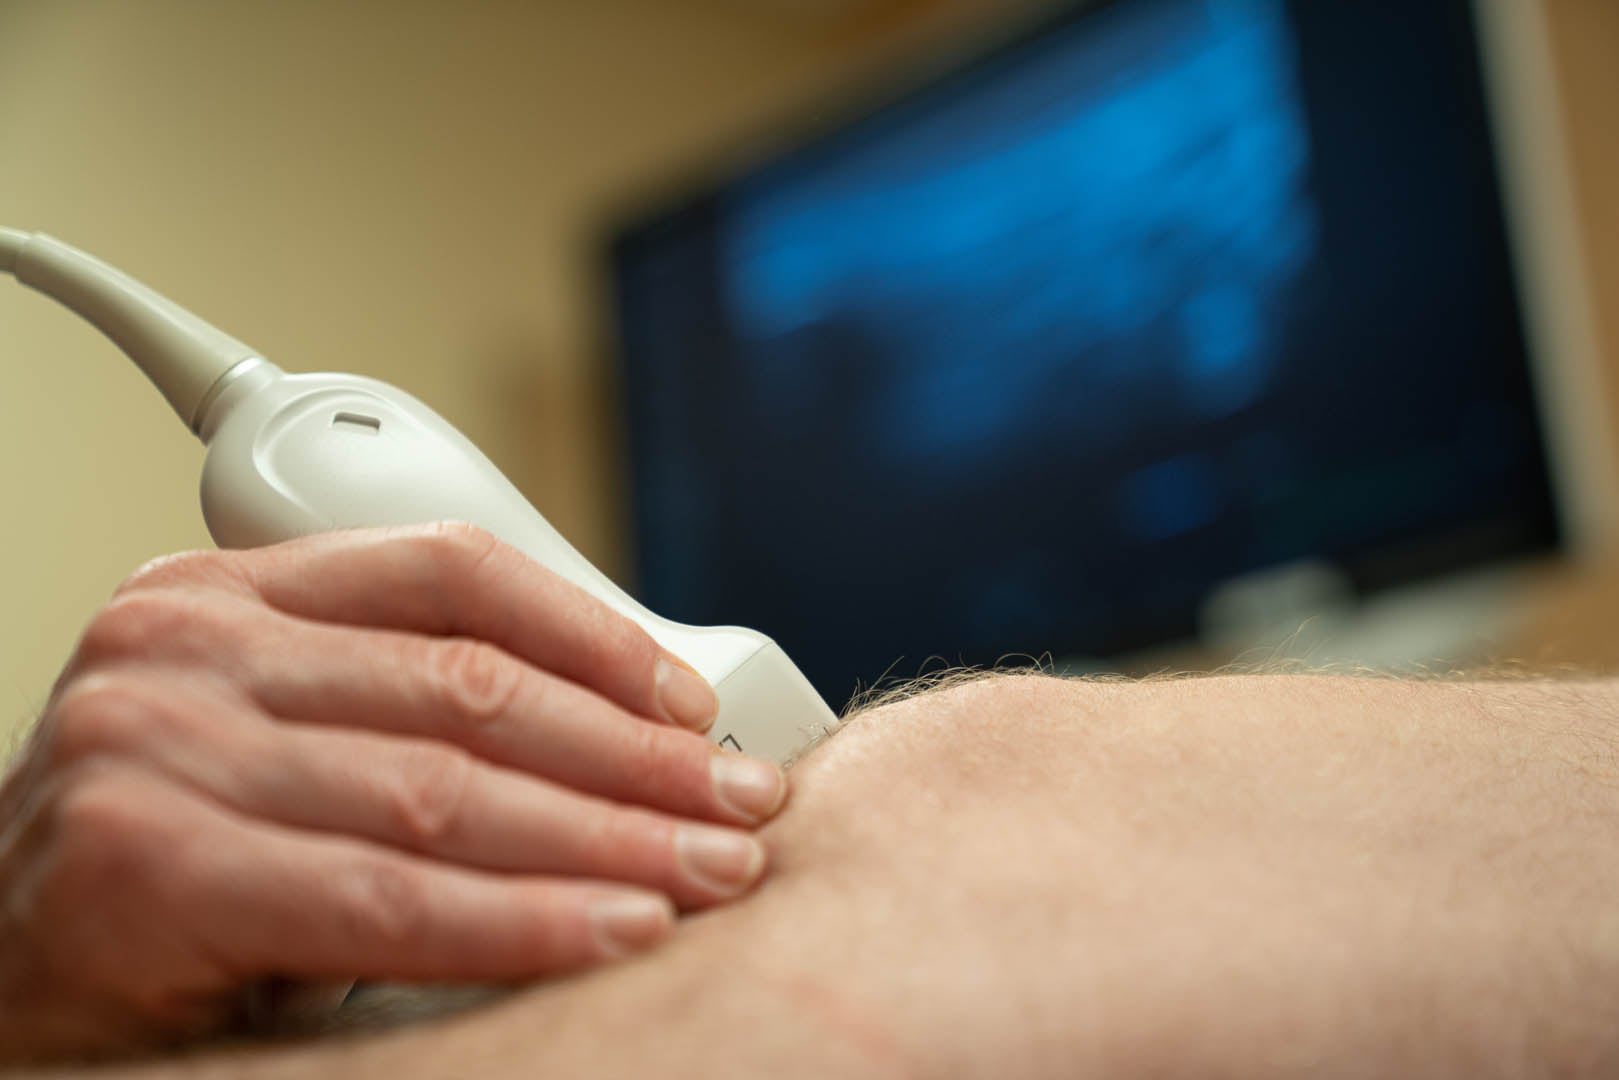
<point x="1254" y="876"/>
<point x="406" y="754"/>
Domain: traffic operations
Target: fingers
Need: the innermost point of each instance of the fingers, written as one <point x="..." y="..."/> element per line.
<point x="402" y="754"/>
<point x="379" y="914"/>
<point x="456" y="580"/>
<point x="413" y="795"/>
<point x="482" y="699"/>
<point x="458" y="690"/>
<point x="435" y="801"/>
<point x="189" y="896"/>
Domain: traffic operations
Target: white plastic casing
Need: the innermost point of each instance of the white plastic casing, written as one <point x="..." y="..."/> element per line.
<point x="291" y="455"/>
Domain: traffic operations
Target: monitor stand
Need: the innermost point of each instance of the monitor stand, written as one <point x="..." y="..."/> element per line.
<point x="1306" y="616"/>
<point x="1307" y="613"/>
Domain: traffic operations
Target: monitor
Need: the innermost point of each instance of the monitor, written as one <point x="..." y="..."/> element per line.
<point x="1033" y="357"/>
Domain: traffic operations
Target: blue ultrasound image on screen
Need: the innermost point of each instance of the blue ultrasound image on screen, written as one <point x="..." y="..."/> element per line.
<point x="1033" y="359"/>
<point x="1129" y="210"/>
<point x="1107" y="239"/>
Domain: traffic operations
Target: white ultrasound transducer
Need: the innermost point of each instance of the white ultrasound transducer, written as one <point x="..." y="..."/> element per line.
<point x="290" y="455"/>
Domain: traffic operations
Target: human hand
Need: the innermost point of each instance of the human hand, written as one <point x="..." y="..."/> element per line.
<point x="406" y="754"/>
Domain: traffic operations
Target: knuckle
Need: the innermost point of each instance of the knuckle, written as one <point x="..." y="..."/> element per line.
<point x="384" y="903"/>
<point x="107" y="839"/>
<point x="476" y="681"/>
<point x="429" y="792"/>
<point x="459" y="545"/>
<point x="664" y="760"/>
<point x="620" y="646"/>
<point x="457" y="557"/>
<point x="134" y="623"/>
<point x="96" y="715"/>
<point x="619" y="837"/>
<point x="632" y="644"/>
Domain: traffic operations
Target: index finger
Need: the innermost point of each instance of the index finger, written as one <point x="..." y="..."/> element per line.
<point x="455" y="579"/>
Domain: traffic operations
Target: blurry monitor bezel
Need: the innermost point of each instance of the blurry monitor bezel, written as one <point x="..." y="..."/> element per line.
<point x="1537" y="192"/>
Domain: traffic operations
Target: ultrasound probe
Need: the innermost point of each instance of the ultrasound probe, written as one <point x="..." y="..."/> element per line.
<point x="290" y="455"/>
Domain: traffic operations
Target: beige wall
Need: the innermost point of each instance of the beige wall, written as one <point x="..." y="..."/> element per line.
<point x="407" y="190"/>
<point x="1585" y="46"/>
<point x="400" y="189"/>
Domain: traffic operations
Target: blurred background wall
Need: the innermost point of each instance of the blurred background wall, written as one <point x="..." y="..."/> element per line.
<point x="414" y="191"/>
<point x="1585" y="50"/>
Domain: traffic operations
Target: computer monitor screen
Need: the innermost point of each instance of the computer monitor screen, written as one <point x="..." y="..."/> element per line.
<point x="1031" y="359"/>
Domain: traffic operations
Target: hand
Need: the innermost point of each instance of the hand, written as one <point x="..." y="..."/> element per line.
<point x="408" y="754"/>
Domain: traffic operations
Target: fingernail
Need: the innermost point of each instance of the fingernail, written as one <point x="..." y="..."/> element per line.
<point x="753" y="788"/>
<point x="628" y="923"/>
<point x="685" y="696"/>
<point x="719" y="859"/>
